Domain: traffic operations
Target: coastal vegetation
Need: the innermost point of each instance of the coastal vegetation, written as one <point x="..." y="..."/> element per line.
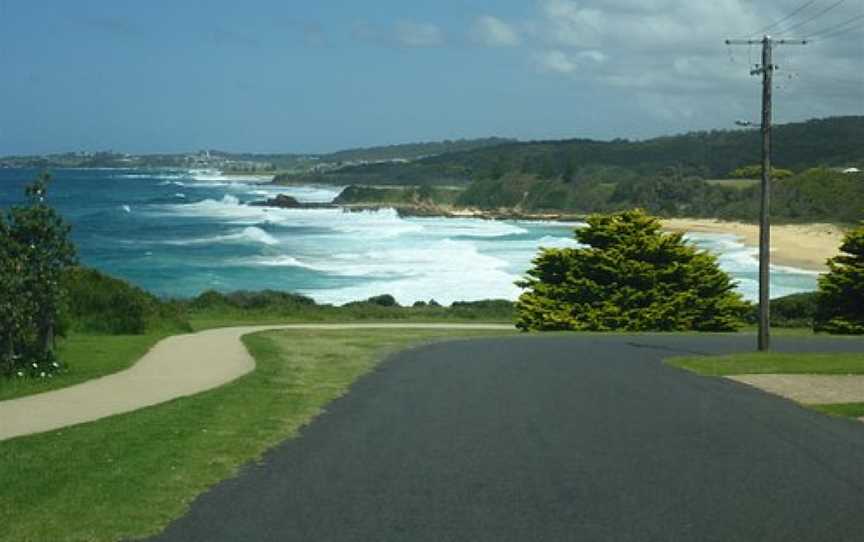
<point x="677" y="176"/>
<point x="630" y="276"/>
<point x="813" y="195"/>
<point x="119" y="485"/>
<point x="840" y="301"/>
<point x="754" y="171"/>
<point x="707" y="155"/>
<point x="35" y="250"/>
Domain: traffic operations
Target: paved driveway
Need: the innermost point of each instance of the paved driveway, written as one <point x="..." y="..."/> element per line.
<point x="552" y="438"/>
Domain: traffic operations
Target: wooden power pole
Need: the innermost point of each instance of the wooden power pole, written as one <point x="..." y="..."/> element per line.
<point x="766" y="69"/>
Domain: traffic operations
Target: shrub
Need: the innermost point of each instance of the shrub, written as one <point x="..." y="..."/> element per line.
<point x="795" y="310"/>
<point x="755" y="172"/>
<point x="840" y="301"/>
<point x="385" y="300"/>
<point x="631" y="276"/>
<point x="271" y="300"/>
<point x="99" y="303"/>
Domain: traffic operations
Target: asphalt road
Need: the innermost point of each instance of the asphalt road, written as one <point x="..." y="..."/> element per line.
<point x="551" y="438"/>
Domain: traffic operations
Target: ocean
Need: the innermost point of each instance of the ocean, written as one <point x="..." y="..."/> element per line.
<point x="179" y="233"/>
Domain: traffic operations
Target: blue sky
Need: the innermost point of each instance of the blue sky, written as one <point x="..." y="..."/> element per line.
<point x="277" y="76"/>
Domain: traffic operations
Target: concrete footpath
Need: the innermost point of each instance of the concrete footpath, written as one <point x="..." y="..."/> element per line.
<point x="177" y="366"/>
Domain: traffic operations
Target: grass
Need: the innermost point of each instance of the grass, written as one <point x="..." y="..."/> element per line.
<point x="128" y="476"/>
<point x="847" y="410"/>
<point x="772" y="363"/>
<point x="86" y="357"/>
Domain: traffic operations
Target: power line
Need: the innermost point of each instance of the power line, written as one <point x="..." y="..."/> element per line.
<point x="832" y="28"/>
<point x="814" y="17"/>
<point x="841" y="32"/>
<point x="795" y="12"/>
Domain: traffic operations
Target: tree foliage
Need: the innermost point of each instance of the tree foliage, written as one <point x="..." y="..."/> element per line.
<point x="840" y="301"/>
<point x="34" y="251"/>
<point x="755" y="172"/>
<point x="630" y="276"/>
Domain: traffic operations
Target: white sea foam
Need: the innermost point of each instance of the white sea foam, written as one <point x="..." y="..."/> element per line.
<point x="180" y="195"/>
<point x="247" y="235"/>
<point x="468" y="227"/>
<point x="126" y="208"/>
<point x="446" y="271"/>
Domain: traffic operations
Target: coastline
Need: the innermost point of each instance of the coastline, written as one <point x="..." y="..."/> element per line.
<point x="805" y="246"/>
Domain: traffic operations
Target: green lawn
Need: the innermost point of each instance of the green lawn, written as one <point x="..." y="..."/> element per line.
<point x="848" y="410"/>
<point x="772" y="363"/>
<point x="86" y="357"/>
<point x="128" y="476"/>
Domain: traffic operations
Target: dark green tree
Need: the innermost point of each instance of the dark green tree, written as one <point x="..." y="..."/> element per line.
<point x="840" y="300"/>
<point x="38" y="250"/>
<point x="630" y="276"/>
<point x="16" y="308"/>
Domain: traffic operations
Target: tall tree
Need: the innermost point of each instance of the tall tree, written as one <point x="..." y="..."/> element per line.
<point x="41" y="250"/>
<point x="840" y="300"/>
<point x="630" y="276"/>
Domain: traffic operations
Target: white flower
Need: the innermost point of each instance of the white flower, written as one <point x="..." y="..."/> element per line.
<point x="42" y="374"/>
<point x="55" y="364"/>
<point x="20" y="373"/>
<point x="35" y="366"/>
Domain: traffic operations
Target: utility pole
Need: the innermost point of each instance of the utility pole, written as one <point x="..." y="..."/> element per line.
<point x="766" y="69"/>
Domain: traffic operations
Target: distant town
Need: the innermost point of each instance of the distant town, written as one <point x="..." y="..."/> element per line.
<point x="250" y="163"/>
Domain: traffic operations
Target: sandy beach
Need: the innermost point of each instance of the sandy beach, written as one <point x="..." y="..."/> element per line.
<point x="806" y="246"/>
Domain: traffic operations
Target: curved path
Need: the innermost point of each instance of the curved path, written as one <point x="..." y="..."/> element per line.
<point x="551" y="438"/>
<point x="177" y="366"/>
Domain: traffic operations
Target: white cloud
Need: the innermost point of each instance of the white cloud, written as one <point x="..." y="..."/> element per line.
<point x="411" y="34"/>
<point x="493" y="32"/>
<point x="555" y="61"/>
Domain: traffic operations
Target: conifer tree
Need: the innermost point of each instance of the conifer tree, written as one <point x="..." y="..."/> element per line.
<point x="629" y="276"/>
<point x="840" y="300"/>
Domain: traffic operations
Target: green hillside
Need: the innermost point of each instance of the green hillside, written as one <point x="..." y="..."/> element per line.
<point x="826" y="142"/>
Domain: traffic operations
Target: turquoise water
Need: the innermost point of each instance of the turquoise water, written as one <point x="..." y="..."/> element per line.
<point x="178" y="233"/>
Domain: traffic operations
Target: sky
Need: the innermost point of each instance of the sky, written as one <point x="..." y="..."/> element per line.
<point x="287" y="76"/>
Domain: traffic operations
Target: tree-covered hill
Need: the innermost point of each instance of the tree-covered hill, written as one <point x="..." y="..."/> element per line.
<point x="834" y="141"/>
<point x="818" y="194"/>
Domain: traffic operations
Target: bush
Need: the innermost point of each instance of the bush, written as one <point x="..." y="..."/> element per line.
<point x="840" y="301"/>
<point x="271" y="300"/>
<point x="98" y="303"/>
<point x="796" y="310"/>
<point x="755" y="172"/>
<point x="385" y="300"/>
<point x="497" y="309"/>
<point x="630" y="277"/>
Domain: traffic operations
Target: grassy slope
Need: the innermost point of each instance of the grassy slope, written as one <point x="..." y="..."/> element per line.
<point x="107" y="480"/>
<point x="773" y="363"/>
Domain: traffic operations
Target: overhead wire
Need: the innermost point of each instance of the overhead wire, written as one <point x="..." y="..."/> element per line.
<point x="830" y="8"/>
<point x="794" y="12"/>
<point x="841" y="32"/>
<point x="832" y="28"/>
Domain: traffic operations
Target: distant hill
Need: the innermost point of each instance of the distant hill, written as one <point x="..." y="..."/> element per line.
<point x="256" y="162"/>
<point x="833" y="141"/>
